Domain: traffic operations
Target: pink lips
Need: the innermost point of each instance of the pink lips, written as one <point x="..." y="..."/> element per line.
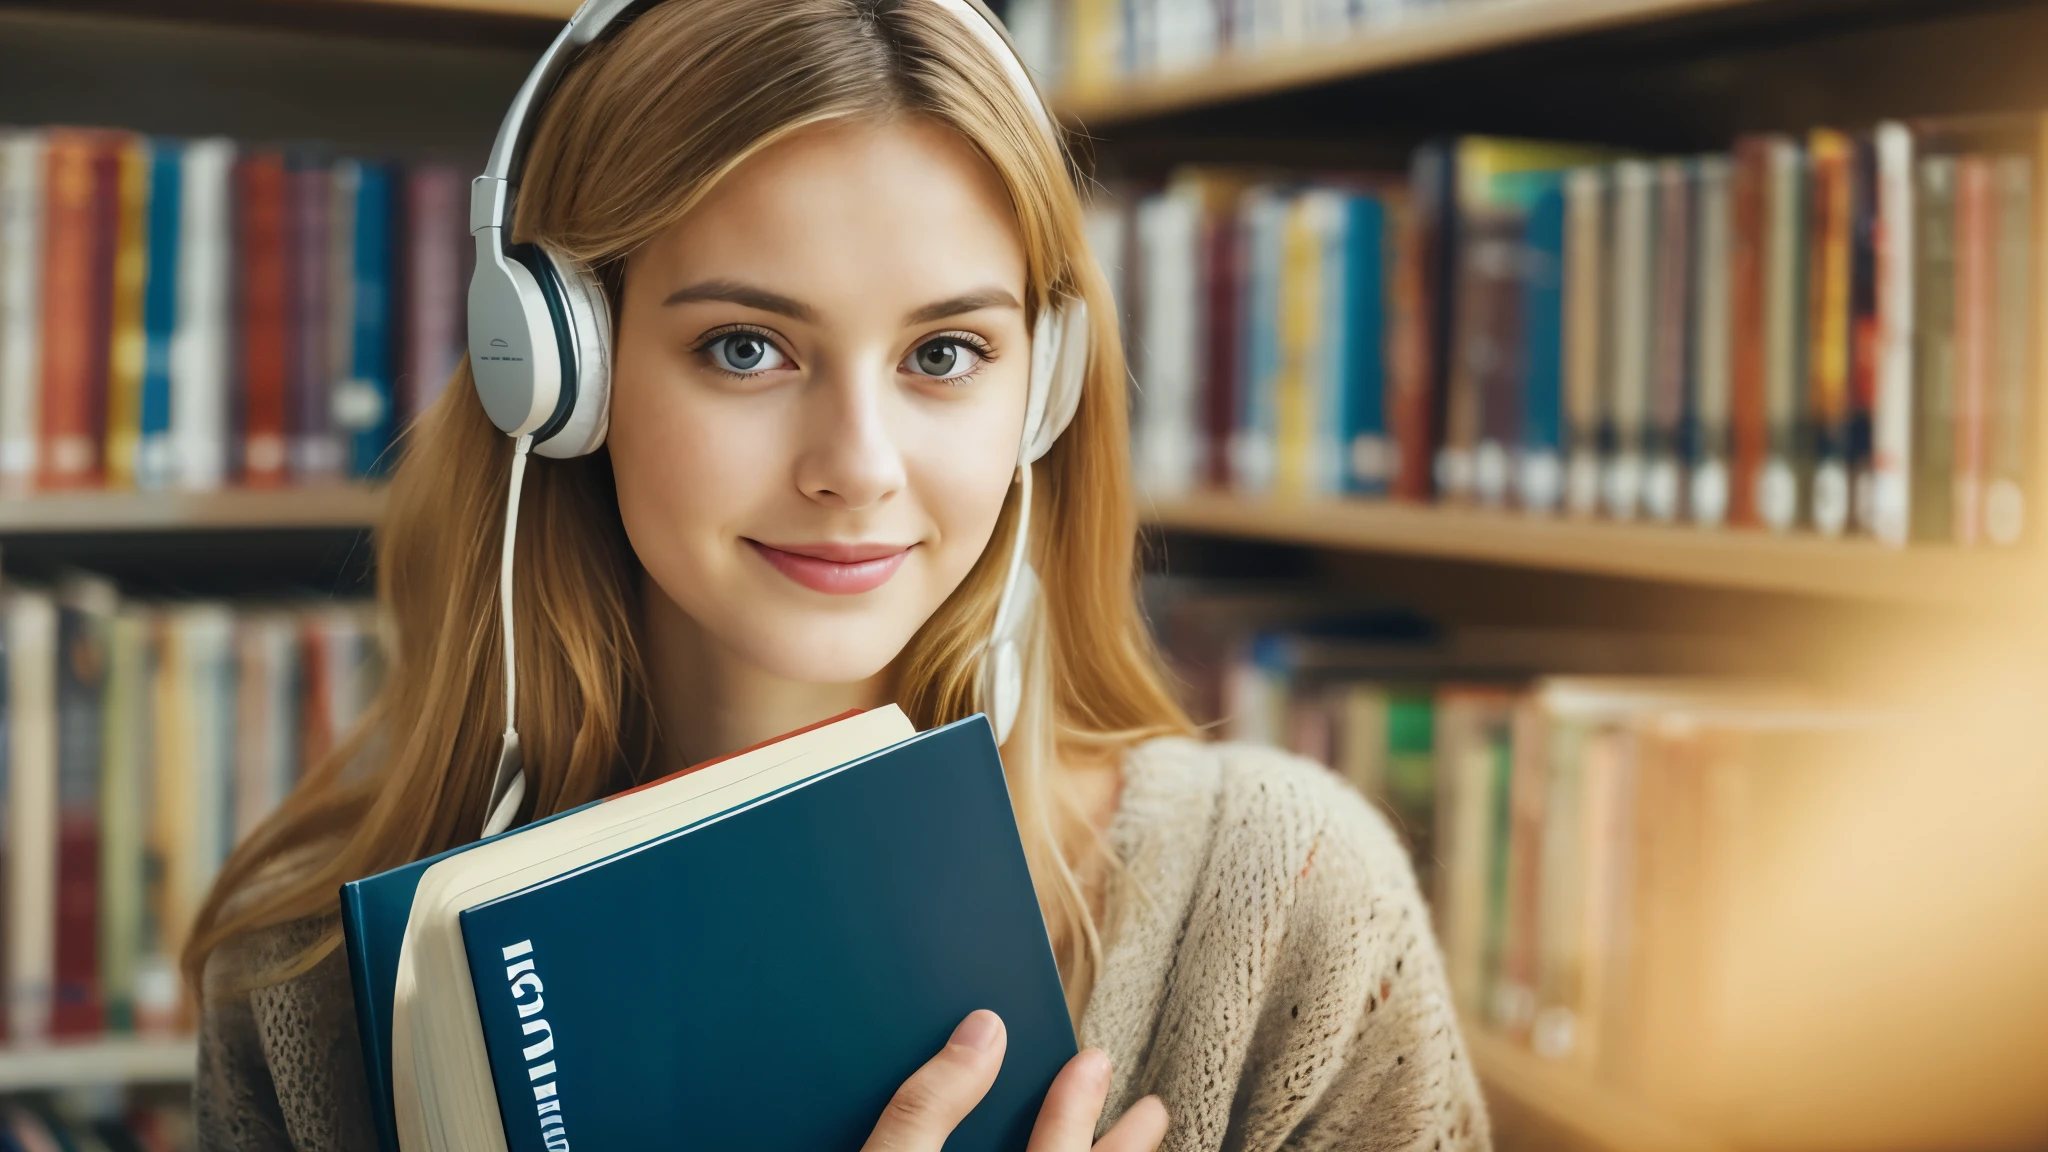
<point x="838" y="569"/>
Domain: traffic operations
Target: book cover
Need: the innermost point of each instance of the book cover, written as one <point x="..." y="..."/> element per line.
<point x="1712" y="343"/>
<point x="1748" y="427"/>
<point x="85" y="610"/>
<point x="1891" y="454"/>
<point x="154" y="463"/>
<point x="78" y="204"/>
<point x="315" y="454"/>
<point x="23" y="182"/>
<point x="1585" y="305"/>
<point x="1830" y="190"/>
<point x="31" y="931"/>
<point x="870" y="907"/>
<point x="1934" y="357"/>
<point x="1671" y="364"/>
<point x="127" y="351"/>
<point x="201" y="356"/>
<point x="263" y="292"/>
<point x="2008" y="459"/>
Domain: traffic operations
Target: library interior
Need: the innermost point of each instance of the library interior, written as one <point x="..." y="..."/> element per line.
<point x="1606" y="433"/>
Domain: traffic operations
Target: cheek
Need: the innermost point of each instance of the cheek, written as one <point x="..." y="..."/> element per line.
<point x="963" y="473"/>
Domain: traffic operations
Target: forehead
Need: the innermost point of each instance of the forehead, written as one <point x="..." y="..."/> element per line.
<point x="890" y="210"/>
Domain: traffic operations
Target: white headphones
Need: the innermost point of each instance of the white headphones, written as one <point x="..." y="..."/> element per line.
<point x="540" y="333"/>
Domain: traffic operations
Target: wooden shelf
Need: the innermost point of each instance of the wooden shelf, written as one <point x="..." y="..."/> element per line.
<point x="62" y="513"/>
<point x="1726" y="559"/>
<point x="1427" y="36"/>
<point x="1568" y="1099"/>
<point x="93" y="1062"/>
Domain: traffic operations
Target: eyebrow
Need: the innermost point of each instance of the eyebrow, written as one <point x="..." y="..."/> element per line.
<point x="973" y="301"/>
<point x="733" y="292"/>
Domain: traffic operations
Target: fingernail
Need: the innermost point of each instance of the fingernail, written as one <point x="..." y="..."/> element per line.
<point x="979" y="1030"/>
<point x="1097" y="1067"/>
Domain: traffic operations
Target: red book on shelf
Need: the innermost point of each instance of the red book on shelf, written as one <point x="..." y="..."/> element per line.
<point x="1223" y="289"/>
<point x="81" y="218"/>
<point x="263" y="285"/>
<point x="85" y="610"/>
<point x="435" y="233"/>
<point x="1976" y="245"/>
<point x="1748" y="435"/>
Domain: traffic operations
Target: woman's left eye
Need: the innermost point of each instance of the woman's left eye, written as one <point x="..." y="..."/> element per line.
<point x="945" y="358"/>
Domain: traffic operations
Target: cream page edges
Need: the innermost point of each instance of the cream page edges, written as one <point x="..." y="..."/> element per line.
<point x="437" y="1049"/>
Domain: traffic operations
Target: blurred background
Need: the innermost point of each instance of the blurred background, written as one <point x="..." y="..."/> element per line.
<point x="1607" y="432"/>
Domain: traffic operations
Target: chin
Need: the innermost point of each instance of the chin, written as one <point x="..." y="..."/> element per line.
<point x="828" y="651"/>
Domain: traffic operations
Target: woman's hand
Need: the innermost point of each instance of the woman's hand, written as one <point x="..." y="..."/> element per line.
<point x="941" y="1094"/>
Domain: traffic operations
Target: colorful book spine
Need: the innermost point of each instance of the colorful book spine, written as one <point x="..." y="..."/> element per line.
<point x="437" y="205"/>
<point x="1866" y="336"/>
<point x="1223" y="359"/>
<point x="32" y="813"/>
<point x="1748" y="428"/>
<point x="84" y="619"/>
<point x="1368" y="452"/>
<point x="1712" y="342"/>
<point x="1786" y="311"/>
<point x="201" y="360"/>
<point x="128" y="353"/>
<point x="23" y="183"/>
<point x="1540" y="473"/>
<point x="263" y="286"/>
<point x="77" y="267"/>
<point x="1586" y="269"/>
<point x="1433" y="191"/>
<point x="344" y="195"/>
<point x="1631" y="284"/>
<point x="1831" y="157"/>
<point x="1892" y="420"/>
<point x="313" y="450"/>
<point x="155" y="462"/>
<point x="1934" y="340"/>
<point x="1665" y="464"/>
<point x="1299" y="380"/>
<point x="1255" y="444"/>
<point x="365" y="405"/>
<point x="126" y="726"/>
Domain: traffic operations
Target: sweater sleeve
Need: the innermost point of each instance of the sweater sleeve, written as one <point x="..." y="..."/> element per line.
<point x="1357" y="1046"/>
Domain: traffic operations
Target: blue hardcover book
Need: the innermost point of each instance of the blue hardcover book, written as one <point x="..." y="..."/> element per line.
<point x="833" y="929"/>
<point x="1254" y="445"/>
<point x="1542" y="479"/>
<point x="365" y="404"/>
<point x="160" y="310"/>
<point x="1368" y="452"/>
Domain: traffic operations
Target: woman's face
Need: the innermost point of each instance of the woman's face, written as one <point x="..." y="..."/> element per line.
<point x="818" y="393"/>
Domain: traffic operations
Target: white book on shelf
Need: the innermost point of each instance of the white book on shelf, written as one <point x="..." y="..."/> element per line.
<point x="266" y="717"/>
<point x="31" y="927"/>
<point x="1784" y="311"/>
<point x="1891" y="497"/>
<point x="1630" y="314"/>
<point x="206" y="650"/>
<point x="1169" y="227"/>
<point x="200" y="341"/>
<point x="21" y="282"/>
<point x="1713" y="221"/>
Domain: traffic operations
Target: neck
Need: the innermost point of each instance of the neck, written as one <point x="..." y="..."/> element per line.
<point x="709" y="700"/>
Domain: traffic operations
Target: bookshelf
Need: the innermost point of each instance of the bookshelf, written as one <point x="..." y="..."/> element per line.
<point x="110" y="1061"/>
<point x="338" y="506"/>
<point x="1803" y="565"/>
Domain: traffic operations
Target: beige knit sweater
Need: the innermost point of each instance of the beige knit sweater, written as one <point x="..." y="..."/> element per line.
<point x="1269" y="972"/>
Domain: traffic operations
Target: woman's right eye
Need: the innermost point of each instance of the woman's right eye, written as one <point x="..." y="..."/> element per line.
<point x="745" y="353"/>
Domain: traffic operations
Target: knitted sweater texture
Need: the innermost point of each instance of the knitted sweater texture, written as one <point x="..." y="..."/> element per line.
<point x="1268" y="972"/>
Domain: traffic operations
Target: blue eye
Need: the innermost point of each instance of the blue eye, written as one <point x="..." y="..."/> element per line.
<point x="945" y="358"/>
<point x="744" y="353"/>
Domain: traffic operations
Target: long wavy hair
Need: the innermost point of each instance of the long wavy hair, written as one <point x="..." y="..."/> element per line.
<point x="639" y="129"/>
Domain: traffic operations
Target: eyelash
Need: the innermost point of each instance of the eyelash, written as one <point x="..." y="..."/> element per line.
<point x="702" y="349"/>
<point x="982" y="349"/>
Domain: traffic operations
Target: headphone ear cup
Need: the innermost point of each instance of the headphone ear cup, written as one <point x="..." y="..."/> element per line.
<point x="588" y="315"/>
<point x="1060" y="349"/>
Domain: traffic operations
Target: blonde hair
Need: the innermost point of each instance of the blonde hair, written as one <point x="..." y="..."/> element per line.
<point x="636" y="133"/>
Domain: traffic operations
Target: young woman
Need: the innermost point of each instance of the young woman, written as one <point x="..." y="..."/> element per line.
<point x="826" y="230"/>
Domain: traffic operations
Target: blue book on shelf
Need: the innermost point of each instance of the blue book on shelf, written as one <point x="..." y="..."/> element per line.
<point x="1367" y="466"/>
<point x="1543" y="328"/>
<point x="160" y="309"/>
<point x="1255" y="442"/>
<point x="834" y="931"/>
<point x="365" y="406"/>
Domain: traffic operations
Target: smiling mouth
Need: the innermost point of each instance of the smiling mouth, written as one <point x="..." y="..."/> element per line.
<point x="836" y="569"/>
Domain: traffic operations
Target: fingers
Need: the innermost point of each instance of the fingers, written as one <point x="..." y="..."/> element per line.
<point x="941" y="1094"/>
<point x="1138" y="1130"/>
<point x="1066" y="1121"/>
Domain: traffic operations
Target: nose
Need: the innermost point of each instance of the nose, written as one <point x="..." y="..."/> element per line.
<point x="850" y="459"/>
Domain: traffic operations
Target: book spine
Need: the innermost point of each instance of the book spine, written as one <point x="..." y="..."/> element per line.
<point x="1828" y="327"/>
<point x="1785" y="309"/>
<point x="1748" y="430"/>
<point x="344" y="197"/>
<point x="1934" y="330"/>
<point x="1866" y="336"/>
<point x="1434" y="192"/>
<point x="1486" y="241"/>
<point x="1330" y="393"/>
<point x="264" y="287"/>
<point x="1301" y="290"/>
<point x="1254" y="445"/>
<point x="313" y="456"/>
<point x="154" y="461"/>
<point x="364" y="406"/>
<point x="32" y="813"/>
<point x="1976" y="304"/>
<point x="200" y="359"/>
<point x="1631" y="310"/>
<point x="2008" y="472"/>
<point x="1540" y="473"/>
<point x="1368" y="450"/>
<point x="436" y="208"/>
<point x="127" y="732"/>
<point x="1586" y="266"/>
<point x="1168" y="230"/>
<point x="1712" y="344"/>
<point x="1670" y="359"/>
<point x="127" y="352"/>
<point x="85" y="612"/>
<point x="1499" y="371"/>
<point x="72" y="350"/>
<point x="1892" y="418"/>
<point x="23" y="185"/>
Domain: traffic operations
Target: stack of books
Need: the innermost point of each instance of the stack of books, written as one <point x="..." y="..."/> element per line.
<point x="142" y="741"/>
<point x="197" y="313"/>
<point x="1830" y="333"/>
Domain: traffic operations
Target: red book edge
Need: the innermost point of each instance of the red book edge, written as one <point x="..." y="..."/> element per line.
<point x="848" y="714"/>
